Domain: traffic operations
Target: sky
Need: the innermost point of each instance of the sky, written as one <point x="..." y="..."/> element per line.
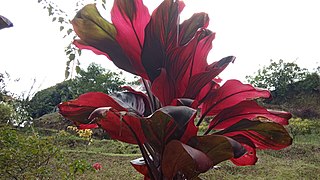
<point x="254" y="31"/>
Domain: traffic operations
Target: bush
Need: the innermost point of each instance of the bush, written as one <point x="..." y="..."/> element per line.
<point x="25" y="157"/>
<point x="298" y="126"/>
<point x="6" y="113"/>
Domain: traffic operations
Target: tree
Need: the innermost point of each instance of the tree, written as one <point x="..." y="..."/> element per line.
<point x="94" y="78"/>
<point x="277" y="76"/>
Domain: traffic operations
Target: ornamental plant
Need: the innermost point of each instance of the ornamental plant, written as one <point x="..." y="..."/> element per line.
<point x="180" y="91"/>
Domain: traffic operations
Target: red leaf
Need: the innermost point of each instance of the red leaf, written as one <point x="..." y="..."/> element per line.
<point x="169" y="123"/>
<point x="130" y="18"/>
<point x="122" y="126"/>
<point x="218" y="148"/>
<point x="95" y="31"/>
<point x="146" y="101"/>
<point x="163" y="88"/>
<point x="140" y="165"/>
<point x="189" y="27"/>
<point x="78" y="110"/>
<point x="200" y="80"/>
<point x="230" y="94"/>
<point x="250" y="158"/>
<point x="264" y="135"/>
<point x="161" y="36"/>
<point x="87" y="126"/>
<point x="245" y="110"/>
<point x="179" y="157"/>
<point x="82" y="45"/>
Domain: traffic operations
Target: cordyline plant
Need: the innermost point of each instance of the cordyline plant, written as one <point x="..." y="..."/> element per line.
<point x="162" y="119"/>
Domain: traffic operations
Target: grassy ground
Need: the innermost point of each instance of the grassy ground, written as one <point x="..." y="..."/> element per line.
<point x="299" y="161"/>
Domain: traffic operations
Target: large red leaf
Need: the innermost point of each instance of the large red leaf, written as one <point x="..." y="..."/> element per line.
<point x="200" y="80"/>
<point x="161" y="36"/>
<point x="229" y="94"/>
<point x="246" y="110"/>
<point x="78" y="110"/>
<point x="130" y="18"/>
<point x="123" y="126"/>
<point x="168" y="123"/>
<point x="218" y="148"/>
<point x="264" y="135"/>
<point x="179" y="157"/>
<point x="95" y="31"/>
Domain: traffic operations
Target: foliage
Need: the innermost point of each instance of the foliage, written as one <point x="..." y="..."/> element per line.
<point x="94" y="78"/>
<point x="300" y="126"/>
<point x="14" y="106"/>
<point x="25" y="157"/>
<point x="6" y="113"/>
<point x="277" y="76"/>
<point x="171" y="59"/>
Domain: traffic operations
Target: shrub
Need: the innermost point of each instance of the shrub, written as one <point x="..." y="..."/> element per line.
<point x="300" y="126"/>
<point x="6" y="113"/>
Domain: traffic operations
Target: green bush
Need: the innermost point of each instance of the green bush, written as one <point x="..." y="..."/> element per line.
<point x="26" y="155"/>
<point x="6" y="113"/>
<point x="298" y="126"/>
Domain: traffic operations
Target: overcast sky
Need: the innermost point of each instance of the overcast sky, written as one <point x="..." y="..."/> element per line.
<point x="254" y="31"/>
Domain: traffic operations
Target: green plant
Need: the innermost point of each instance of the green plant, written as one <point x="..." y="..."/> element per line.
<point x="6" y="113"/>
<point x="25" y="156"/>
<point x="300" y="126"/>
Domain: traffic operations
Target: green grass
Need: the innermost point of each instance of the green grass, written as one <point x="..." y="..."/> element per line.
<point x="299" y="161"/>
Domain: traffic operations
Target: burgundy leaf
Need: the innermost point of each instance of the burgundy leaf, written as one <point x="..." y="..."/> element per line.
<point x="132" y="102"/>
<point x="190" y="26"/>
<point x="140" y="165"/>
<point x="250" y="157"/>
<point x="87" y="126"/>
<point x="78" y="110"/>
<point x="230" y="94"/>
<point x="146" y="100"/>
<point x="130" y="18"/>
<point x="168" y="123"/>
<point x="179" y="157"/>
<point x="245" y="110"/>
<point x="123" y="126"/>
<point x="218" y="148"/>
<point x="82" y="45"/>
<point x="163" y="88"/>
<point x="95" y="31"/>
<point x="264" y="135"/>
<point x="200" y="80"/>
<point x="161" y="36"/>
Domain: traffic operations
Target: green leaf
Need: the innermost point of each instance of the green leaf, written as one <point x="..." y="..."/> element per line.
<point x="78" y="69"/>
<point x="61" y="28"/>
<point x="69" y="31"/>
<point x="72" y="56"/>
<point x="61" y="19"/>
<point x="53" y="19"/>
<point x="66" y="73"/>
